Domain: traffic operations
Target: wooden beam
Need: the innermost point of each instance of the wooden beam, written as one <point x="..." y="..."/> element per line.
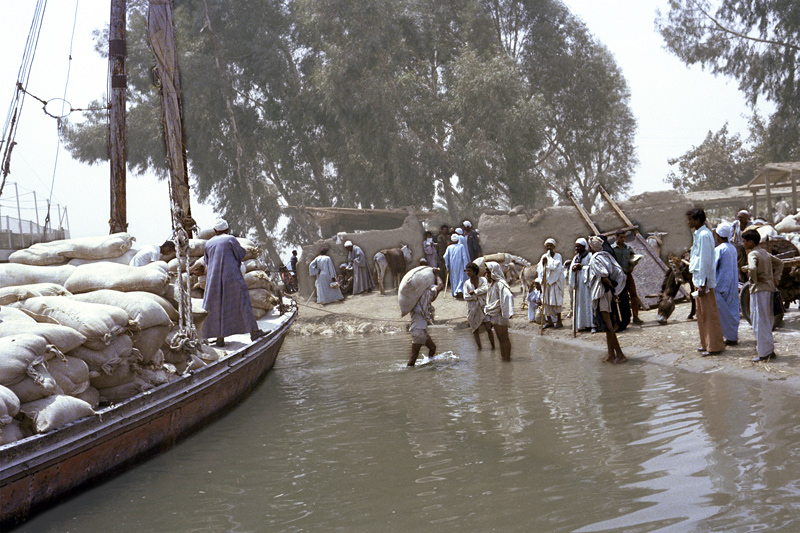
<point x="768" y="218"/>
<point x="615" y="207"/>
<point x="583" y="213"/>
<point x="794" y="191"/>
<point x="755" y="204"/>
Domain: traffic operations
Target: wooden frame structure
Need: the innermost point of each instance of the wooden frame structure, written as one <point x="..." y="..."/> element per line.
<point x="770" y="176"/>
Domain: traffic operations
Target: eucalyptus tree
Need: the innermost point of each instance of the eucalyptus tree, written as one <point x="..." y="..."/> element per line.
<point x="754" y="42"/>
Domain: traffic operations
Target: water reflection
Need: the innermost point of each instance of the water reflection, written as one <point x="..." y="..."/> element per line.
<point x="342" y="436"/>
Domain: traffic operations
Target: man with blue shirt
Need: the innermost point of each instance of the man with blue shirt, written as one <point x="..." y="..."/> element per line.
<point x="702" y="265"/>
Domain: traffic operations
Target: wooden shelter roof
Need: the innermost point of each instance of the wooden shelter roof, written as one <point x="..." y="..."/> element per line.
<point x="778" y="173"/>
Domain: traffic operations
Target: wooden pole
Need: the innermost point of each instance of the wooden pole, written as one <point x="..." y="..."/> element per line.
<point x="117" y="148"/>
<point x="583" y="213"/>
<point x="755" y="203"/>
<point x="768" y="194"/>
<point x="794" y="191"/>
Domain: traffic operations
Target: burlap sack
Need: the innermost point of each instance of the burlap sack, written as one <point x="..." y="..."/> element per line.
<point x="259" y="313"/>
<point x="171" y="311"/>
<point x="18" y="293"/>
<point x="62" y="337"/>
<point x="788" y="225"/>
<point x="258" y="279"/>
<point x="54" y="412"/>
<point x="99" y="323"/>
<point x="124" y="259"/>
<point x="90" y="396"/>
<point x="12" y="314"/>
<point x="260" y="298"/>
<point x="12" y="274"/>
<point x="30" y="390"/>
<point x="106" y="360"/>
<point x="197" y="247"/>
<point x="151" y="278"/>
<point x="149" y="341"/>
<point x="124" y="391"/>
<point x="9" y="405"/>
<point x="70" y="374"/>
<point x="414" y="283"/>
<point x="55" y="252"/>
<point x="11" y="433"/>
<point x="23" y="355"/>
<point x="143" y="312"/>
<point x="125" y="372"/>
<point x="254" y="264"/>
<point x="250" y="247"/>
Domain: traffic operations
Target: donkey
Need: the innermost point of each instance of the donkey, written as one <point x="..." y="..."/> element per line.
<point x="677" y="275"/>
<point x="394" y="260"/>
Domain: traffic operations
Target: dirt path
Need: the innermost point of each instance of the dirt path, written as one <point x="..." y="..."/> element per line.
<point x="674" y="344"/>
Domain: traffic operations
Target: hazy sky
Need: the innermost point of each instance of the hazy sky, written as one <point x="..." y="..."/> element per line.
<point x="675" y="106"/>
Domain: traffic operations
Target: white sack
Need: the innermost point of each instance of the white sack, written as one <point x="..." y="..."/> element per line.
<point x="92" y="277"/>
<point x="18" y="293"/>
<point x="143" y="312"/>
<point x="55" y="252"/>
<point x="107" y="359"/>
<point x="124" y="259"/>
<point x="90" y="396"/>
<point x="11" y="433"/>
<point x="9" y="406"/>
<point x="12" y="314"/>
<point x="414" y="283"/>
<point x="30" y="390"/>
<point x="70" y="374"/>
<point x="23" y="355"/>
<point x="62" y="337"/>
<point x="12" y="274"/>
<point x="54" y="412"/>
<point x="149" y="341"/>
<point x="261" y="298"/>
<point x="258" y="279"/>
<point x="254" y="264"/>
<point x="124" y="372"/>
<point x="124" y="391"/>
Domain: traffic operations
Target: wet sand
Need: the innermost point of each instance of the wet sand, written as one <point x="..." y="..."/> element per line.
<point x="674" y="344"/>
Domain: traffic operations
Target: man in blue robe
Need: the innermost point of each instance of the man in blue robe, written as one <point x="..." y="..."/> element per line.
<point x="226" y="297"/>
<point x="362" y="279"/>
<point x="727" y="289"/>
<point x="456" y="258"/>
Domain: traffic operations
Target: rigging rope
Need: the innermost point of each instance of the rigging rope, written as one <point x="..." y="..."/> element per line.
<point x="59" y="123"/>
<point x="7" y="141"/>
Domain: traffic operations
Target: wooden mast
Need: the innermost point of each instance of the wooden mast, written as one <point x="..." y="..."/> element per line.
<point x="161" y="30"/>
<point x="117" y="150"/>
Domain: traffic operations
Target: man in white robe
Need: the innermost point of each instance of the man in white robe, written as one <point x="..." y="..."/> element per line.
<point x="607" y="280"/>
<point x="499" y="307"/>
<point x="581" y="289"/>
<point x="551" y="272"/>
<point x="362" y="279"/>
<point x="152" y="253"/>
<point x="475" y="289"/>
<point x="327" y="288"/>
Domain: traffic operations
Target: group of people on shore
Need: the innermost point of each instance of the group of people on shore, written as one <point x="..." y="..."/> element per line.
<point x="353" y="277"/>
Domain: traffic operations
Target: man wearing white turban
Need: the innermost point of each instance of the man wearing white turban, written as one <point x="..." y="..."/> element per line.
<point x="456" y="258"/>
<point x="551" y="271"/>
<point x="727" y="289"/>
<point x="362" y="279"/>
<point x="226" y="297"/>
<point x="607" y="280"/>
<point x="581" y="289"/>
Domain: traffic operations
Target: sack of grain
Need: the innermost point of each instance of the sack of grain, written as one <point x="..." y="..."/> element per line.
<point x="414" y="283"/>
<point x="90" y="396"/>
<point x="199" y="314"/>
<point x="143" y="312"/>
<point x="260" y="298"/>
<point x="250" y="247"/>
<point x="9" y="405"/>
<point x="258" y="279"/>
<point x="55" y="252"/>
<point x="18" y="293"/>
<point x="124" y="391"/>
<point x="12" y="274"/>
<point x="11" y="433"/>
<point x="259" y="313"/>
<point x="197" y="247"/>
<point x="254" y="264"/>
<point x="92" y="277"/>
<point x="99" y="323"/>
<point x="124" y="372"/>
<point x="788" y="225"/>
<point x="62" y="337"/>
<point x="106" y="360"/>
<point x="30" y="390"/>
<point x="24" y="355"/>
<point x="12" y="314"/>
<point x="124" y="259"/>
<point x="70" y="374"/>
<point x="149" y="341"/>
<point x="155" y="377"/>
<point x="172" y="311"/>
<point x="54" y="412"/>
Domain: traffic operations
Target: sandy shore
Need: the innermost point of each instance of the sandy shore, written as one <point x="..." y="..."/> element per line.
<point x="674" y="344"/>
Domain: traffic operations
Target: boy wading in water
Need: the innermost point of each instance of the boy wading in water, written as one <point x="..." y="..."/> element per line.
<point x="421" y="316"/>
<point x="475" y="290"/>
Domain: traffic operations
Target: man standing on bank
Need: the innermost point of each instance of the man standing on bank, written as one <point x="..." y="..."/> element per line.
<point x="764" y="272"/>
<point x="703" y="268"/>
<point x="629" y="300"/>
<point x="226" y="297"/>
<point x="551" y="271"/>
<point x="362" y="279"/>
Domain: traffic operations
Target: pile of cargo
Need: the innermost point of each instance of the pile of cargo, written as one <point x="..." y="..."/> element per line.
<point x="80" y="328"/>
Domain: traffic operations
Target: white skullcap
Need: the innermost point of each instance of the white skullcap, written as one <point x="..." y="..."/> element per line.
<point x="454" y="237"/>
<point x="550" y="241"/>
<point x="743" y="213"/>
<point x="595" y="244"/>
<point x="348" y="244"/>
<point x="582" y="242"/>
<point x="220" y="225"/>
<point x="467" y="224"/>
<point x="460" y="231"/>
<point x="343" y="265"/>
<point x="725" y="230"/>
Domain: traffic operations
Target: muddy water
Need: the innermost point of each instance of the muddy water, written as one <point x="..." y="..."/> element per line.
<point x="342" y="437"/>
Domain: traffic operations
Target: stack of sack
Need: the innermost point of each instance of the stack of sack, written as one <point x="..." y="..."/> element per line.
<point x="115" y="247"/>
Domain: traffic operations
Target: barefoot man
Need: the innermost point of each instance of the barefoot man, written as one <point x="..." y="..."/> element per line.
<point x="421" y="316"/>
<point x="607" y="280"/>
<point x="475" y="289"/>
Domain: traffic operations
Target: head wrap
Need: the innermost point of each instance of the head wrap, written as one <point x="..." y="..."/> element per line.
<point x="460" y="231"/>
<point x="550" y="241"/>
<point x="467" y="224"/>
<point x="595" y="244"/>
<point x="454" y="237"/>
<point x="743" y="213"/>
<point x="496" y="270"/>
<point x="582" y="242"/>
<point x="348" y="244"/>
<point x="725" y="230"/>
<point x="220" y="225"/>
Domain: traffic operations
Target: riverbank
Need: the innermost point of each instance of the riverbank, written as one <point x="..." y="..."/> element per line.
<point x="674" y="344"/>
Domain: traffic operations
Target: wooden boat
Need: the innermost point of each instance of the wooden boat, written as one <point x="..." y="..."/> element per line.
<point x="44" y="469"/>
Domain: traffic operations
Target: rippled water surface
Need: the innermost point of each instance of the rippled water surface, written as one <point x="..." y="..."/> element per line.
<point x="341" y="436"/>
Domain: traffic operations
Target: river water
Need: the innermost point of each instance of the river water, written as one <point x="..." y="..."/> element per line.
<point x="341" y="436"/>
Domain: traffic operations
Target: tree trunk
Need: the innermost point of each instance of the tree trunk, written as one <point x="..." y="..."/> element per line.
<point x="117" y="147"/>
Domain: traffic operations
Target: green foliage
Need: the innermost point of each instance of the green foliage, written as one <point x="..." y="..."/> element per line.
<point x="756" y="42"/>
<point x="476" y="104"/>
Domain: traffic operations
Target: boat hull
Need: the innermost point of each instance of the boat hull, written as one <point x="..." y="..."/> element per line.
<point x="44" y="469"/>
